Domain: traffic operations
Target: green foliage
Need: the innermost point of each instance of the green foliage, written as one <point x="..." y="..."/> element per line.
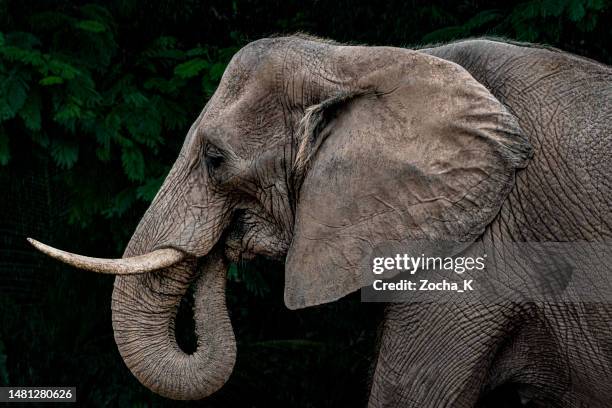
<point x="190" y="68"/>
<point x="249" y="274"/>
<point x="531" y="21"/>
<point x="68" y="86"/>
<point x="91" y="25"/>
<point x="82" y="91"/>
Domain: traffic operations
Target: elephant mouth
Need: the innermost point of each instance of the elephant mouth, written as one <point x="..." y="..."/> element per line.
<point x="233" y="241"/>
<point x="248" y="236"/>
<point x="242" y="240"/>
<point x="239" y="243"/>
<point x="235" y="253"/>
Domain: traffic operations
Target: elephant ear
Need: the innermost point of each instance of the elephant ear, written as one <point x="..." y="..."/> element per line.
<point x="418" y="150"/>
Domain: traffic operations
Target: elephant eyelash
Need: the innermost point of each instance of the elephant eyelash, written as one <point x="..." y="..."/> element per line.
<point x="213" y="156"/>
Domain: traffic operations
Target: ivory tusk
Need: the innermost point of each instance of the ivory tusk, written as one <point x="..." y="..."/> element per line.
<point x="158" y="259"/>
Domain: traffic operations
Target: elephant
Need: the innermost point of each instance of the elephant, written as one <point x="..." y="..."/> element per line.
<point x="313" y="152"/>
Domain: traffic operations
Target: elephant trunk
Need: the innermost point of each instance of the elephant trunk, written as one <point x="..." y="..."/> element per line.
<point x="144" y="309"/>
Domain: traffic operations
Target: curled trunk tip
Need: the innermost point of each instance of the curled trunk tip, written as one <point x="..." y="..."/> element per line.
<point x="147" y="341"/>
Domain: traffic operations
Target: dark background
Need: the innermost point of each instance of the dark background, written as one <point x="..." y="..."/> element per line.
<point x="95" y="100"/>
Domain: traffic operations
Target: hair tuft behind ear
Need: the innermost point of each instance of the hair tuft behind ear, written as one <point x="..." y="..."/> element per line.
<point x="516" y="146"/>
<point x="315" y="119"/>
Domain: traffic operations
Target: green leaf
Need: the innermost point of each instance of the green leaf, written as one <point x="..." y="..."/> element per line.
<point x="232" y="273"/>
<point x="552" y="8"/>
<point x="160" y="84"/>
<point x="13" y="94"/>
<point x="173" y="114"/>
<point x="64" y="153"/>
<point x="103" y="153"/>
<point x="5" y="153"/>
<point x="597" y="5"/>
<point x="197" y="52"/>
<point x="67" y="113"/>
<point x="217" y="70"/>
<point x="444" y="34"/>
<point x="144" y="126"/>
<point x="49" y="20"/>
<point x="147" y="191"/>
<point x="121" y="203"/>
<point x="453" y="32"/>
<point x="135" y="98"/>
<point x="105" y="132"/>
<point x="162" y="47"/>
<point x="481" y="19"/>
<point x="133" y="163"/>
<point x="190" y="68"/>
<point x="51" y="80"/>
<point x="62" y="69"/>
<point x="30" y="112"/>
<point x="98" y="13"/>
<point x="576" y="10"/>
<point x="91" y="26"/>
<point x="33" y="58"/>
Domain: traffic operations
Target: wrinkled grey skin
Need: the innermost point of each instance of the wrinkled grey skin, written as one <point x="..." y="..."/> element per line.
<point x="555" y="355"/>
<point x="314" y="152"/>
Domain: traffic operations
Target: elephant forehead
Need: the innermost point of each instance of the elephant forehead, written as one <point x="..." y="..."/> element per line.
<point x="253" y="64"/>
<point x="250" y="126"/>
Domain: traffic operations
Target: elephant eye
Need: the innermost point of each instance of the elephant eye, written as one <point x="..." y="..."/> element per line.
<point x="213" y="156"/>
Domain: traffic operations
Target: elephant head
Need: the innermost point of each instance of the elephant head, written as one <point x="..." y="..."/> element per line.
<point x="312" y="152"/>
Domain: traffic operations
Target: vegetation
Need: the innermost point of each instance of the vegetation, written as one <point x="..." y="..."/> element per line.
<point x="95" y="100"/>
<point x="115" y="86"/>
